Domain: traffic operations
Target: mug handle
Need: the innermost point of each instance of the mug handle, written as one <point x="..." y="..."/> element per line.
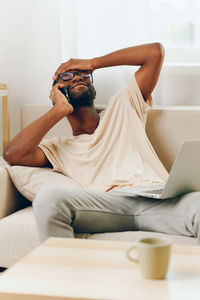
<point x="130" y="257"/>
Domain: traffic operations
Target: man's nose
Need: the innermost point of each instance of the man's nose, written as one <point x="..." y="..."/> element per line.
<point x="77" y="77"/>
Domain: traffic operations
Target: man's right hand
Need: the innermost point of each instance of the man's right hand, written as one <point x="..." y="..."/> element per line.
<point x="59" y="100"/>
<point x="24" y="148"/>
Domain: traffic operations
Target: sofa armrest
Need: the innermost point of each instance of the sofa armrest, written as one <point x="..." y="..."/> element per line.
<point x="10" y="199"/>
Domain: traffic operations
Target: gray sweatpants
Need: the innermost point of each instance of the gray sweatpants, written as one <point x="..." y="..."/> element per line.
<point x="61" y="211"/>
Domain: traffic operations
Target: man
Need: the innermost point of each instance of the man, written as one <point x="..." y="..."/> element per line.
<point x="108" y="155"/>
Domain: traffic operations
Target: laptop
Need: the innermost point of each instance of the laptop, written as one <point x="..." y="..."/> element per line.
<point x="184" y="176"/>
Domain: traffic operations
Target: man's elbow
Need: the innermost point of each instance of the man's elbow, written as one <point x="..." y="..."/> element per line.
<point x="158" y="51"/>
<point x="8" y="156"/>
<point x="11" y="156"/>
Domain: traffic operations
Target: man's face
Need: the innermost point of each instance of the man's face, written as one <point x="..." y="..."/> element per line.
<point x="80" y="89"/>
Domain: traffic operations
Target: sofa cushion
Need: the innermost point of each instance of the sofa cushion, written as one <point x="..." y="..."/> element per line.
<point x="168" y="126"/>
<point x="18" y="236"/>
<point x="30" y="180"/>
<point x="3" y="162"/>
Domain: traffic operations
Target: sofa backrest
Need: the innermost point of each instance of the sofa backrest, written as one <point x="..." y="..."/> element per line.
<point x="166" y="127"/>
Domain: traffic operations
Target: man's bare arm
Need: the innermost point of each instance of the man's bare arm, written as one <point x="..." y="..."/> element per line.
<point x="23" y="148"/>
<point x="149" y="57"/>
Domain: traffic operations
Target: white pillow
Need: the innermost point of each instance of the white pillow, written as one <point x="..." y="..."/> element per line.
<point x="30" y="180"/>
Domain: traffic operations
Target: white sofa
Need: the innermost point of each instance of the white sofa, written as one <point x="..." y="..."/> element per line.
<point x="166" y="128"/>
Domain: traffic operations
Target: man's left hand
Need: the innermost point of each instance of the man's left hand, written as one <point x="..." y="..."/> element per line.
<point x="74" y="64"/>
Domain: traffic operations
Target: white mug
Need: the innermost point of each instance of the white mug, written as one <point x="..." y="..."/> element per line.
<point x="154" y="254"/>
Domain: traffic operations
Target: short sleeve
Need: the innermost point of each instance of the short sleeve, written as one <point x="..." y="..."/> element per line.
<point x="51" y="148"/>
<point x="131" y="93"/>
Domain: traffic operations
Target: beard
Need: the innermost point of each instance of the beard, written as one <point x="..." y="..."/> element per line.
<point x="85" y="98"/>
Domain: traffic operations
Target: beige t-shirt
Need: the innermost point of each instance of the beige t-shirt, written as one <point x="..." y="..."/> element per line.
<point x="117" y="154"/>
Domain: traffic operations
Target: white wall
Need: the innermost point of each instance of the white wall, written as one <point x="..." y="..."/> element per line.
<point x="104" y="26"/>
<point x="68" y="29"/>
<point x="29" y="51"/>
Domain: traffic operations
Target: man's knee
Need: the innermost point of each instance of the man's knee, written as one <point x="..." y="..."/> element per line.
<point x="52" y="202"/>
<point x="52" y="213"/>
<point x="193" y="211"/>
<point x="45" y="198"/>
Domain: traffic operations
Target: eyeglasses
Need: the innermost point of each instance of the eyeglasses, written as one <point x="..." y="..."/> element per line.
<point x="70" y="75"/>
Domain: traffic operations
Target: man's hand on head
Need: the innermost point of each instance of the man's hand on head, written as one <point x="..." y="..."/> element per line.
<point x="59" y="100"/>
<point x="74" y="64"/>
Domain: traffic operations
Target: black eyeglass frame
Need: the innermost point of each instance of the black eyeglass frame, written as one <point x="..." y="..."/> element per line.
<point x="75" y="73"/>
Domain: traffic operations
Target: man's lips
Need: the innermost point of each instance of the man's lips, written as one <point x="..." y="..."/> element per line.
<point x="78" y="84"/>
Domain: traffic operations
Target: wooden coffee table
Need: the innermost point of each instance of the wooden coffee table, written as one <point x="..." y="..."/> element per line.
<point x="90" y="269"/>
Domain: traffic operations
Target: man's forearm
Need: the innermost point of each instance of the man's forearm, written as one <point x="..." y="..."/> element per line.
<point x="137" y="55"/>
<point x="149" y="57"/>
<point x="29" y="138"/>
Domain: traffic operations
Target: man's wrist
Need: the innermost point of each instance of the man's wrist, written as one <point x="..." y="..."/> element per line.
<point x="96" y="63"/>
<point x="60" y="110"/>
